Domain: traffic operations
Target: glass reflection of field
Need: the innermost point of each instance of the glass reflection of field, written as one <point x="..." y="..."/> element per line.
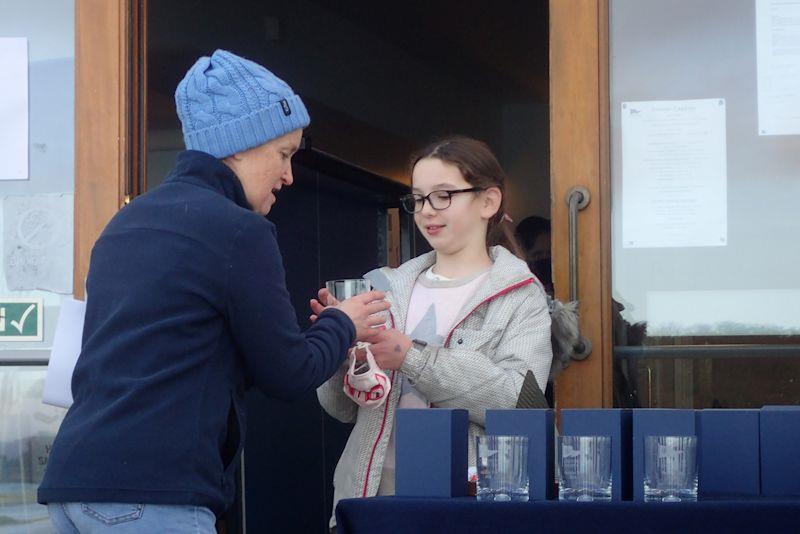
<point x="19" y="512"/>
<point x="27" y="430"/>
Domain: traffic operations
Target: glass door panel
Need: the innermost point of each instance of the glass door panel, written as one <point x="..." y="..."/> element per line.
<point x="705" y="178"/>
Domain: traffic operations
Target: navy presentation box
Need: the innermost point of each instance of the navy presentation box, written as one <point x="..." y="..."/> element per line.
<point x="431" y="453"/>
<point x="538" y="425"/>
<point x="615" y="423"/>
<point x="656" y="422"/>
<point x="728" y="455"/>
<point x="780" y="451"/>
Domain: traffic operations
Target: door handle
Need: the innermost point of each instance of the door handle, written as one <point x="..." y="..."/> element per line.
<point x="577" y="199"/>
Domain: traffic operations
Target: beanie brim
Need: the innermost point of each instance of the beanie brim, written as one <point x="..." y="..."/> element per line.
<point x="228" y="138"/>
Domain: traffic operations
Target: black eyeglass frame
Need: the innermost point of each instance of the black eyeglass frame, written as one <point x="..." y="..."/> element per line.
<point x="422" y="198"/>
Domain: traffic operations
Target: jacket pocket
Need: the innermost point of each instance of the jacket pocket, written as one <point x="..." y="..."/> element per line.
<point x="471" y="339"/>
<point x="112" y="513"/>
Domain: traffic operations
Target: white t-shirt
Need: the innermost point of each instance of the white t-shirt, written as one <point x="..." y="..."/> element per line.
<point x="434" y="307"/>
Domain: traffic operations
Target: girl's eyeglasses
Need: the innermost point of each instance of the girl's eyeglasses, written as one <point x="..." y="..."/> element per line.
<point x="439" y="200"/>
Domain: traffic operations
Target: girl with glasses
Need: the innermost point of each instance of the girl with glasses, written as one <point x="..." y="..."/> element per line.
<point x="469" y="320"/>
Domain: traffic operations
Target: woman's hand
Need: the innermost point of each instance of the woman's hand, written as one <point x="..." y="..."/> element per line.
<point x="325" y="298"/>
<point x="361" y="309"/>
<point x="389" y="348"/>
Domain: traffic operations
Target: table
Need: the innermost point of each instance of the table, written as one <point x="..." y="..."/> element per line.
<point x="387" y="515"/>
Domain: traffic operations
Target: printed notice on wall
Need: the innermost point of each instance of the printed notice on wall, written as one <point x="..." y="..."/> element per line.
<point x="674" y="173"/>
<point x="778" y="57"/>
<point x="13" y="108"/>
<point x="37" y="242"/>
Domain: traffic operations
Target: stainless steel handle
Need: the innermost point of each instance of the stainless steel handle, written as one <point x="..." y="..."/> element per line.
<point x="577" y="199"/>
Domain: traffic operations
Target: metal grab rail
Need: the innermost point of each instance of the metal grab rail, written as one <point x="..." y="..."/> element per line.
<point x="577" y="199"/>
<point x="706" y="351"/>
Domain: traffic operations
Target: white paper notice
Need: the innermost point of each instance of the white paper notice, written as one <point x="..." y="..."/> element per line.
<point x="13" y="108"/>
<point x="67" y="343"/>
<point x="674" y="174"/>
<point x="778" y="56"/>
<point x="37" y="242"/>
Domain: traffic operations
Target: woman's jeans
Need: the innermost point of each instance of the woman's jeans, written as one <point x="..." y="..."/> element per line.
<point x="122" y="518"/>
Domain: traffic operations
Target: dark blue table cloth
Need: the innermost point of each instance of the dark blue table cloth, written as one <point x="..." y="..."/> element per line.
<point x="387" y="515"/>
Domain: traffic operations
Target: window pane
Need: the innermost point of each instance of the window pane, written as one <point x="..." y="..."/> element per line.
<point x="704" y="221"/>
<point x="27" y="430"/>
<point x="36" y="214"/>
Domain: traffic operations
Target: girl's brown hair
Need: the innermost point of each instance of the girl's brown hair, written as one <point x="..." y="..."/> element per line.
<point x="480" y="168"/>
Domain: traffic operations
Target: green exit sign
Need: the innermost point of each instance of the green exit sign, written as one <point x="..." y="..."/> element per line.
<point x="21" y="319"/>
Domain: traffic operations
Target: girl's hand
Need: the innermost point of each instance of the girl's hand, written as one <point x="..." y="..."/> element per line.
<point x="389" y="348"/>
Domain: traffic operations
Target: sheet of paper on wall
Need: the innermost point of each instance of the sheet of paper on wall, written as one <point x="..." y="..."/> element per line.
<point x="778" y="58"/>
<point x="67" y="343"/>
<point x="13" y="108"/>
<point x="37" y="242"/>
<point x="674" y="173"/>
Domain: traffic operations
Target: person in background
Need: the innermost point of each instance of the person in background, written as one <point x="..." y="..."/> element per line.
<point x="470" y="320"/>
<point x="187" y="308"/>
<point x="533" y="236"/>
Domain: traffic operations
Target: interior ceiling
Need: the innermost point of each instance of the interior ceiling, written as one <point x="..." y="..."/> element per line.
<point x="502" y="44"/>
<point x="507" y="38"/>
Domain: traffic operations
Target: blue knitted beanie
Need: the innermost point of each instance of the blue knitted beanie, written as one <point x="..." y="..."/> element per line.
<point x="228" y="104"/>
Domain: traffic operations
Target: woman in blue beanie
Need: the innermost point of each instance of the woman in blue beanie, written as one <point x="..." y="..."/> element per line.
<point x="188" y="307"/>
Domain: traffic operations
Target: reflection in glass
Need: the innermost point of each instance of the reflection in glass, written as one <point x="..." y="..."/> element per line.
<point x="42" y="267"/>
<point x="27" y="430"/>
<point x="699" y="323"/>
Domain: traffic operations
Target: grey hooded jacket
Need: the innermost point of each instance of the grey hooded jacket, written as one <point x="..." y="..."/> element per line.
<point x="501" y="332"/>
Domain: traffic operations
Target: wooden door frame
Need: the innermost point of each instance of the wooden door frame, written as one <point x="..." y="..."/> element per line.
<point x="107" y="132"/>
<point x="579" y="156"/>
<point x="109" y="144"/>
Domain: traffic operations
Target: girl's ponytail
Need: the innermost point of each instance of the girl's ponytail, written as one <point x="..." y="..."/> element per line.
<point x="500" y="233"/>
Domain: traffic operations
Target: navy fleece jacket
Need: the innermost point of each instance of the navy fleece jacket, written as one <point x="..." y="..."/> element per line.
<point x="187" y="306"/>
